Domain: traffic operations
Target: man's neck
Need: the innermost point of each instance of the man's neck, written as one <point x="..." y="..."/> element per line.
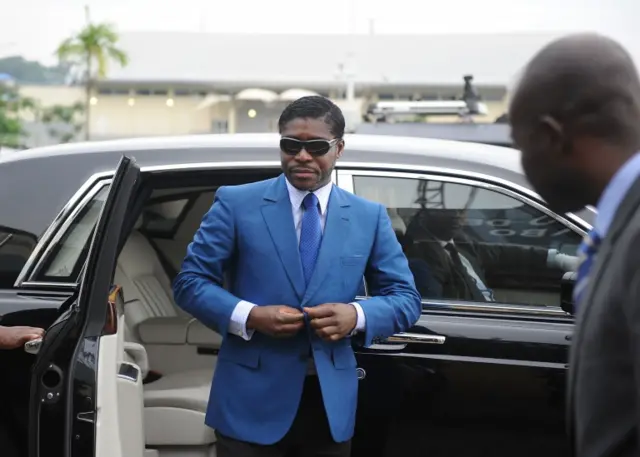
<point x="607" y="164"/>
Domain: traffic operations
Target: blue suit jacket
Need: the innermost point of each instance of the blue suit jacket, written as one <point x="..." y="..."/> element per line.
<point x="249" y="235"/>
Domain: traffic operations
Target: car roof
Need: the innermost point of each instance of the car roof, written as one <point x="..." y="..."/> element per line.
<point x="62" y="169"/>
<point x="359" y="149"/>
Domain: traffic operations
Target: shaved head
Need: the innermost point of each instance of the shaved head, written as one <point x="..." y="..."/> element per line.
<point x="588" y="83"/>
<point x="578" y="98"/>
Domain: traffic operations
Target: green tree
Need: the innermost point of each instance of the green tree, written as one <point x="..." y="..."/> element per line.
<point x="92" y="50"/>
<point x="62" y="121"/>
<point x="32" y="72"/>
<point x="12" y="107"/>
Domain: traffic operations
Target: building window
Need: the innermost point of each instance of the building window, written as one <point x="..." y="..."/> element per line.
<point x="386" y="96"/>
<point x="219" y="126"/>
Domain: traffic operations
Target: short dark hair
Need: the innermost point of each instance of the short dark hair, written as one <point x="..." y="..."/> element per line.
<point x="588" y="83"/>
<point x="314" y="107"/>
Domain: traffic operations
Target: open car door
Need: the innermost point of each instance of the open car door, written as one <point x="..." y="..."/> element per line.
<point x="67" y="414"/>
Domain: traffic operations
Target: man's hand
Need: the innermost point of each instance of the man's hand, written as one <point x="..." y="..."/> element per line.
<point x="332" y="321"/>
<point x="279" y="321"/>
<point x="15" y="337"/>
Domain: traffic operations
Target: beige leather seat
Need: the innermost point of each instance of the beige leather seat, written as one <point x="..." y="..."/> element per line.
<point x="396" y="221"/>
<point x="175" y="405"/>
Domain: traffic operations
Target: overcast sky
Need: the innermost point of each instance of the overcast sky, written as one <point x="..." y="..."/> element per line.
<point x="33" y="28"/>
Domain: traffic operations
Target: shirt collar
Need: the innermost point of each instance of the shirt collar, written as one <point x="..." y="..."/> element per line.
<point x="614" y="193"/>
<point x="296" y="195"/>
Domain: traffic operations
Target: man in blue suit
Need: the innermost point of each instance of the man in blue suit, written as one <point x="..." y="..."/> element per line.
<point x="294" y="250"/>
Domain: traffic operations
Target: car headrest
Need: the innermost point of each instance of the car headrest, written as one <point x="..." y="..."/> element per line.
<point x="396" y="221"/>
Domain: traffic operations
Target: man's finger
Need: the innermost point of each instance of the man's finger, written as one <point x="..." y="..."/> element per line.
<point x="290" y="328"/>
<point x="287" y="318"/>
<point x="319" y="311"/>
<point x="326" y="332"/>
<point x="323" y="322"/>
<point x="27" y="337"/>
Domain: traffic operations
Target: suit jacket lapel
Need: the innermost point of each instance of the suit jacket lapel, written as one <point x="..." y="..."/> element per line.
<point x="626" y="210"/>
<point x="336" y="231"/>
<point x="278" y="216"/>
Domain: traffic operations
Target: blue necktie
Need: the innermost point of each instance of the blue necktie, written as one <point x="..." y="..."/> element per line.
<point x="310" y="235"/>
<point x="587" y="252"/>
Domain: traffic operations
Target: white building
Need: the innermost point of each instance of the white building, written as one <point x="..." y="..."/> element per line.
<point x="180" y="83"/>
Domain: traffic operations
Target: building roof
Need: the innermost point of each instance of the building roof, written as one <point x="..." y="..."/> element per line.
<point x="275" y="59"/>
<point x="496" y="134"/>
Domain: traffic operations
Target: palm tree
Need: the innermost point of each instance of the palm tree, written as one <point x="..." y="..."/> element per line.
<point x="92" y="50"/>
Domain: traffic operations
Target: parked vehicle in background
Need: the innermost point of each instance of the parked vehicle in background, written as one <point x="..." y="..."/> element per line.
<point x="97" y="231"/>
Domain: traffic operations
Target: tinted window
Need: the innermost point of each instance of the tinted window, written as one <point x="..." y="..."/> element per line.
<point x="470" y="243"/>
<point x="15" y="249"/>
<point x="68" y="255"/>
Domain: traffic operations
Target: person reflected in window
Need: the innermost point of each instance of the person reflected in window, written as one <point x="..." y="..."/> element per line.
<point x="453" y="266"/>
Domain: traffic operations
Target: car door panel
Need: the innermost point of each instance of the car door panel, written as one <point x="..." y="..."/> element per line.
<point x="480" y="255"/>
<point x="19" y="308"/>
<point x="63" y="410"/>
<point x="491" y="382"/>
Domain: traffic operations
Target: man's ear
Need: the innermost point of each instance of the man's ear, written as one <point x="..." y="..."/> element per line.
<point x="552" y="136"/>
<point x="339" y="149"/>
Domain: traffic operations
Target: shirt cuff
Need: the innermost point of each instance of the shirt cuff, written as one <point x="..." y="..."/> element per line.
<point x="360" y="322"/>
<point x="238" y="324"/>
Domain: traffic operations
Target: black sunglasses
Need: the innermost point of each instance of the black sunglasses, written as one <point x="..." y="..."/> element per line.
<point x="292" y="146"/>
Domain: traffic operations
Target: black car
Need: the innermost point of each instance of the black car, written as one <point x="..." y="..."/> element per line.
<point x="91" y="236"/>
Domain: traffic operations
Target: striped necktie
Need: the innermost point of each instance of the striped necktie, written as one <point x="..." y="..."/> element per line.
<point x="586" y="252"/>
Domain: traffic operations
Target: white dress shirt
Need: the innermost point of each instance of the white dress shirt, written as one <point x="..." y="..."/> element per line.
<point x="238" y="324"/>
<point x="486" y="292"/>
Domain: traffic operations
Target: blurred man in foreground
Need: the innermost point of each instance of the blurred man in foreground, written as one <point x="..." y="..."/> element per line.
<point x="576" y="118"/>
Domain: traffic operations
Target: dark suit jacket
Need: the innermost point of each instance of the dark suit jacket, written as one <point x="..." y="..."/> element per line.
<point x="603" y="410"/>
<point x="451" y="282"/>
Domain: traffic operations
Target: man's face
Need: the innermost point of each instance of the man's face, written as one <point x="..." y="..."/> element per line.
<point x="549" y="162"/>
<point x="309" y="169"/>
<point x="444" y="224"/>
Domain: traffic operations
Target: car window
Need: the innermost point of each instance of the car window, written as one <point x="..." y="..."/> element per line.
<point x="68" y="254"/>
<point x="470" y="243"/>
<point x="162" y="219"/>
<point x="15" y="248"/>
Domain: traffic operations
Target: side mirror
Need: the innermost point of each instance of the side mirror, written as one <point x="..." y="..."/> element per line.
<point x="566" y="292"/>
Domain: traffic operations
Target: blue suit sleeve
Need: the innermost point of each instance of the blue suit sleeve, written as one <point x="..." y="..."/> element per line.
<point x="198" y="288"/>
<point x="395" y="305"/>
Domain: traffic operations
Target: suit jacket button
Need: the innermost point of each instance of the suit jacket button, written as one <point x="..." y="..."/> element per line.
<point x="304" y="355"/>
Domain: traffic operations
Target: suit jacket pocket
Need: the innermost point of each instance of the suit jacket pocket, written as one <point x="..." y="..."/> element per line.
<point x="343" y="357"/>
<point x="245" y="353"/>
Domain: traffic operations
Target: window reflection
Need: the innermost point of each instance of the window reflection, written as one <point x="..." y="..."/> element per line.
<point x="469" y="243"/>
<point x="15" y="248"/>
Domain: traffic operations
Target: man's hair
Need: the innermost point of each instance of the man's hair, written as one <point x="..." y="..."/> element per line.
<point x="586" y="82"/>
<point x="314" y="107"/>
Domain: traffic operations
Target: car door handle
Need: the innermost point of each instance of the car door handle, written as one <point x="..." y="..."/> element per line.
<point x="419" y="338"/>
<point x="33" y="346"/>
